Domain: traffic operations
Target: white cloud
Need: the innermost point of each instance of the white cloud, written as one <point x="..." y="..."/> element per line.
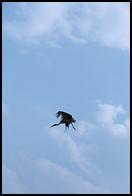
<point x="127" y="123"/>
<point x="106" y="117"/>
<point x="112" y="24"/>
<point x="75" y="150"/>
<point x="89" y="160"/>
<point x="85" y="127"/>
<point x="10" y="182"/>
<point x="65" y="180"/>
<point x="105" y="23"/>
<point x="78" y="144"/>
<point x="107" y="113"/>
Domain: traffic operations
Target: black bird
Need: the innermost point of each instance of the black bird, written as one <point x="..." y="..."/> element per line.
<point x="66" y="118"/>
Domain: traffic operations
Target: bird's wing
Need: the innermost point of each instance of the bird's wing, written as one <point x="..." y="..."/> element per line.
<point x="66" y="115"/>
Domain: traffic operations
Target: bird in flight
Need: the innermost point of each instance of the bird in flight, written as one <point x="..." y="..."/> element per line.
<point x="66" y="118"/>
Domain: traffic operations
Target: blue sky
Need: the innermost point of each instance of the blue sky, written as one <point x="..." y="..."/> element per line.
<point x="72" y="57"/>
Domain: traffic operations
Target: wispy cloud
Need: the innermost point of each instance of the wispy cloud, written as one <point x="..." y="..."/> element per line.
<point x="107" y="115"/>
<point x="75" y="150"/>
<point x="10" y="182"/>
<point x="106" y="122"/>
<point x="65" y="180"/>
<point x="109" y="118"/>
<point x="87" y="161"/>
<point x="105" y="23"/>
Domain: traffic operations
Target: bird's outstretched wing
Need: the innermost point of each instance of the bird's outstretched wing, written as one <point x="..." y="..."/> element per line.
<point x="63" y="115"/>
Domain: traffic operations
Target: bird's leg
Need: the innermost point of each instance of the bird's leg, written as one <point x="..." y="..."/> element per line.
<point x="73" y="126"/>
<point x="66" y="127"/>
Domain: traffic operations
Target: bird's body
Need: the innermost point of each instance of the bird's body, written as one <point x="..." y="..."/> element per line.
<point x="66" y="118"/>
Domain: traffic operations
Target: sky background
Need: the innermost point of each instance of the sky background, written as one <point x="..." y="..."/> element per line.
<point x="73" y="57"/>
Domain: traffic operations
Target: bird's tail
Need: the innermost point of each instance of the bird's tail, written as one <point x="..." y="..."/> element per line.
<point x="73" y="120"/>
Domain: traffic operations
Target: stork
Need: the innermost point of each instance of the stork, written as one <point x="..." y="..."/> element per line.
<point x="66" y="118"/>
